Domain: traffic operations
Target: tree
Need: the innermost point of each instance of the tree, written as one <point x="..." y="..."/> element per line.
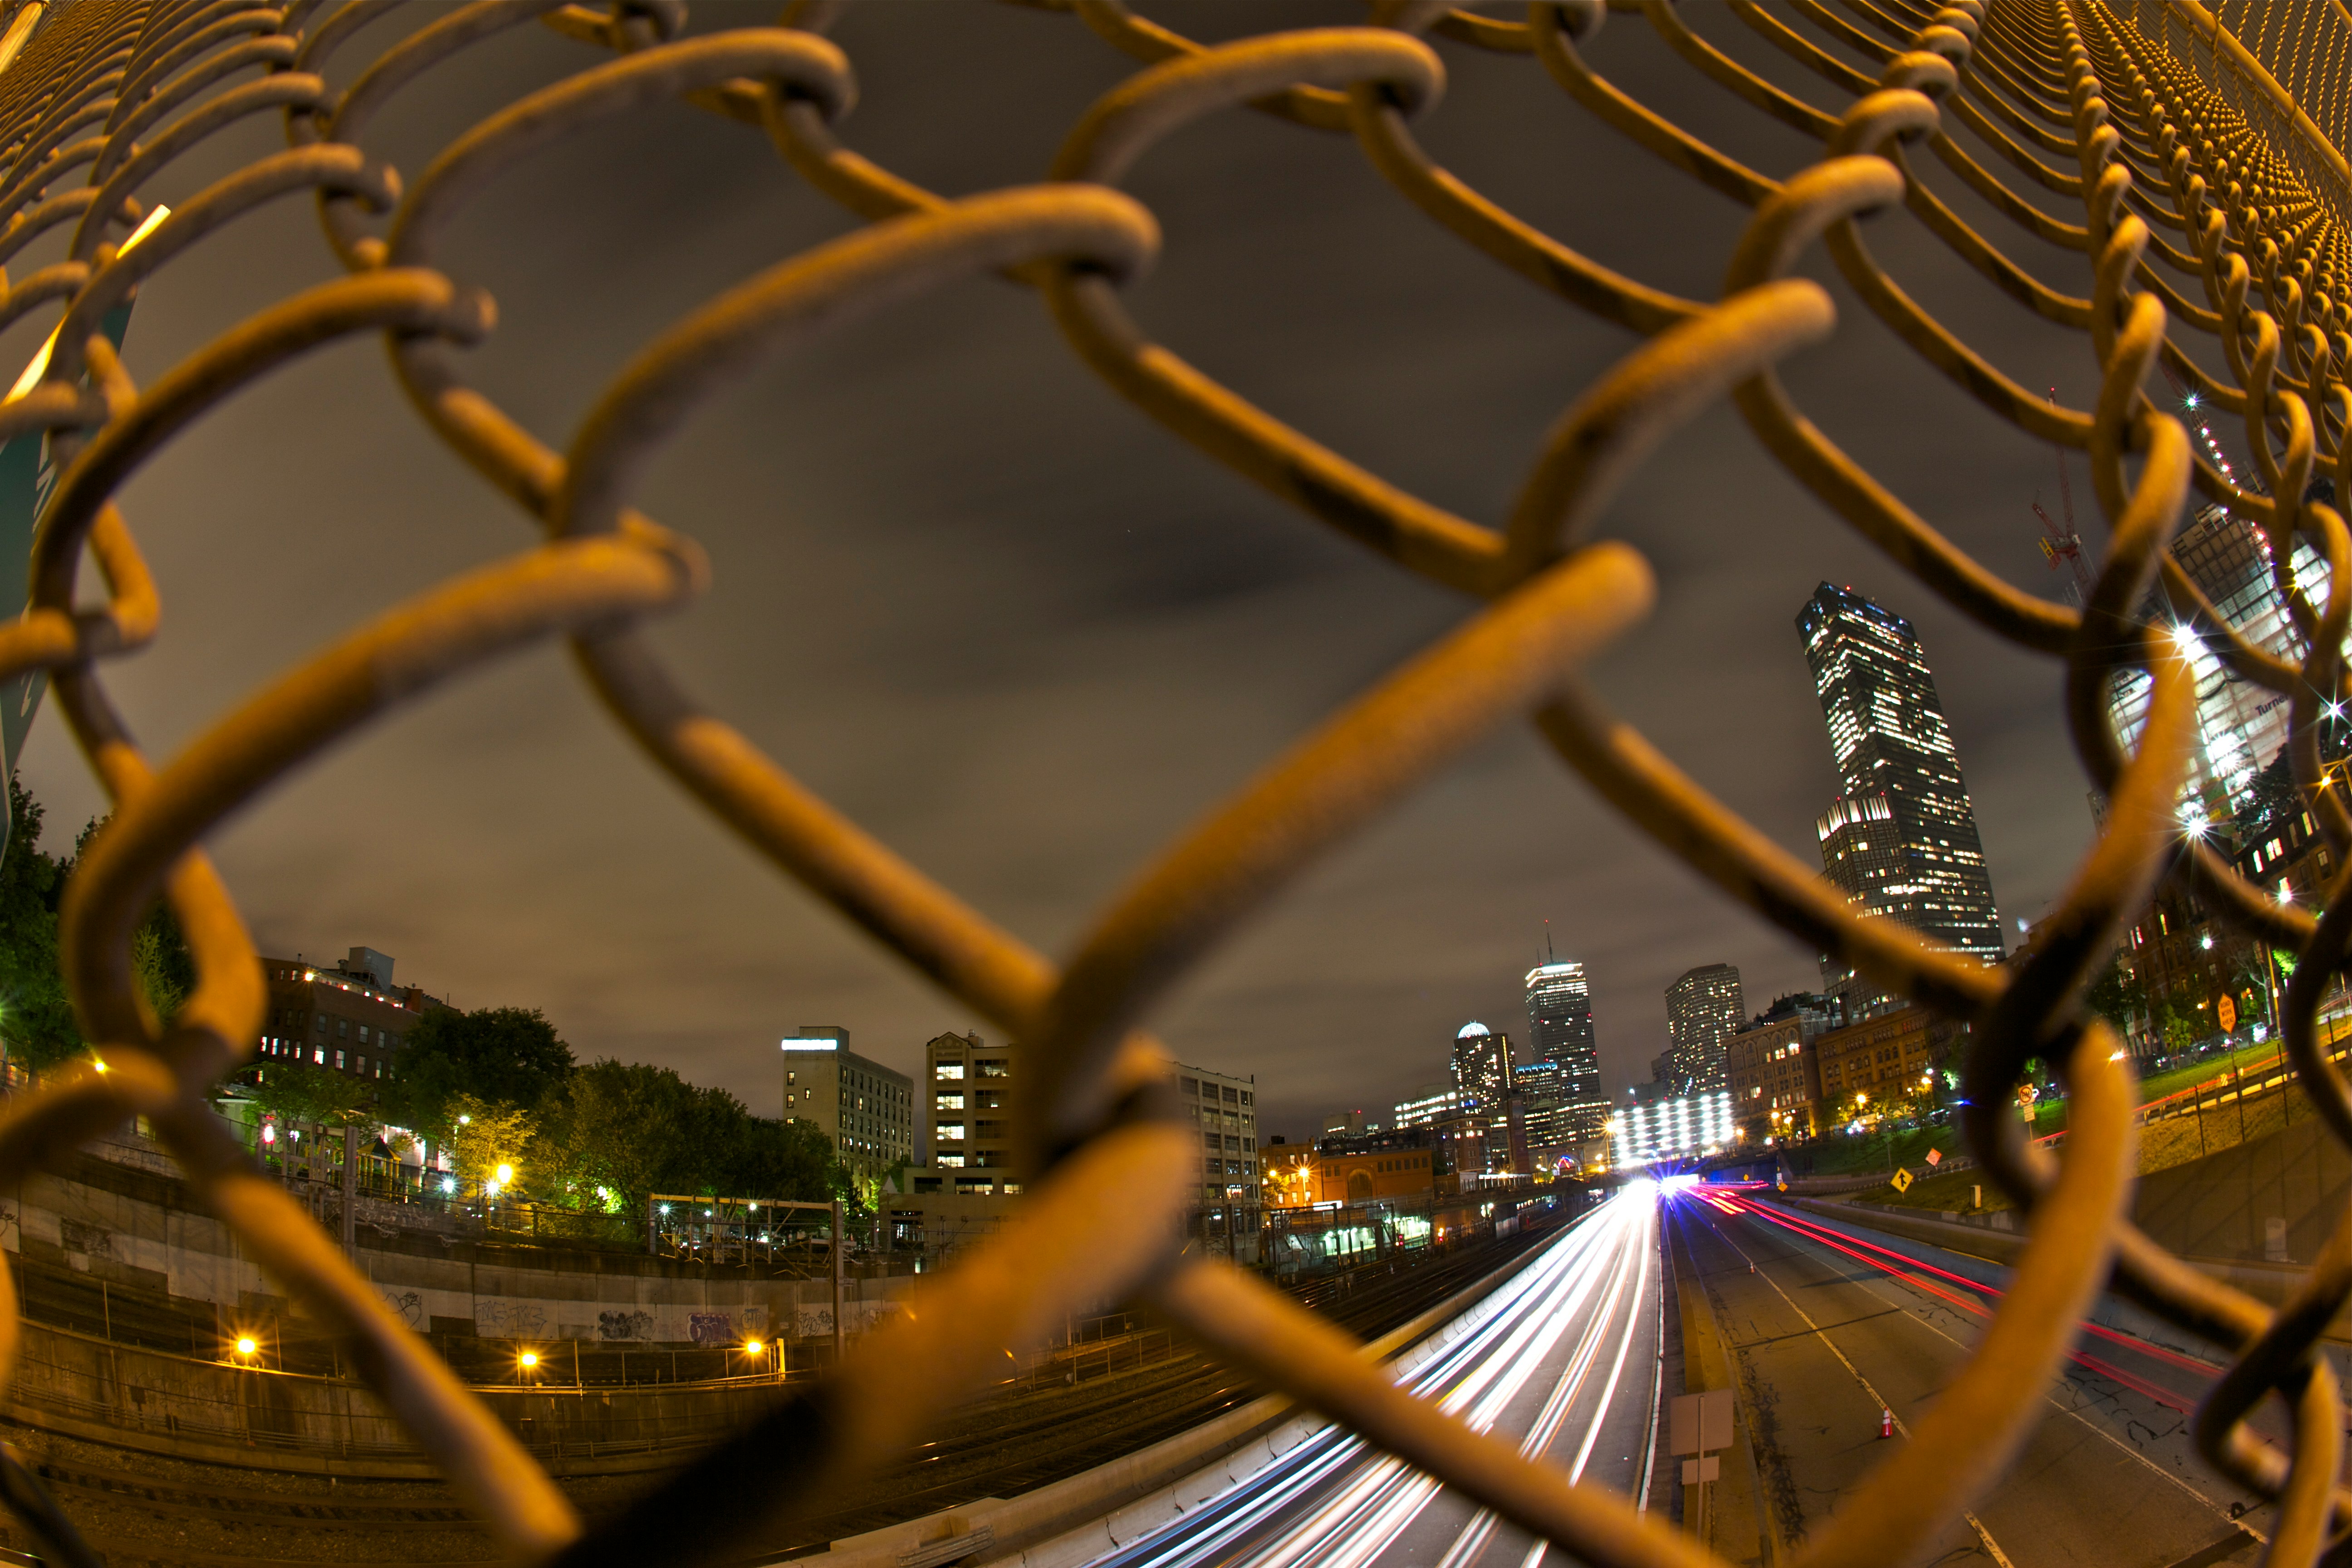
<point x="624" y="1131"/>
<point x="509" y="1057"/>
<point x="768" y="1159"/>
<point x="297" y="1092"/>
<point x="486" y="1135"/>
<point x="36" y="1021"/>
<point x="2117" y="995"/>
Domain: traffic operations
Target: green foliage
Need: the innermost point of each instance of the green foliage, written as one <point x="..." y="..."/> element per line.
<point x="485" y="1134"/>
<point x="2276" y="799"/>
<point x="2117" y="995"/>
<point x="36" y="1021"/>
<point x="297" y="1092"/>
<point x="635" y="1130"/>
<point x="159" y="953"/>
<point x="509" y="1057"/>
<point x="36" y="1017"/>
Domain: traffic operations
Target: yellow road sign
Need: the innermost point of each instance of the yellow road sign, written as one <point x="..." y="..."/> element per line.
<point x="1902" y="1180"/>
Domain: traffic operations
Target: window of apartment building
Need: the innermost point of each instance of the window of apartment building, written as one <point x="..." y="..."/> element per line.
<point x="948" y="1102"/>
<point x="949" y="1072"/>
<point x="339" y="1061"/>
<point x="999" y="1069"/>
<point x="1189" y="1085"/>
<point x="1232" y="1095"/>
<point x="1247" y="1099"/>
<point x="951" y="1130"/>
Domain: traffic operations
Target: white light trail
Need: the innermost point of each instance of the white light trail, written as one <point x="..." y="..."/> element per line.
<point x="1335" y="1502"/>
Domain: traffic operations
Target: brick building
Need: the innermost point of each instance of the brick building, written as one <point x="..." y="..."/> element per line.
<point x="1893" y="1059"/>
<point x="352" y="1018"/>
<point x="1386" y="1165"/>
<point x="1774" y="1072"/>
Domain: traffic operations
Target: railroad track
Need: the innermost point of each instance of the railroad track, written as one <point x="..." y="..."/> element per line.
<point x="146" y="1512"/>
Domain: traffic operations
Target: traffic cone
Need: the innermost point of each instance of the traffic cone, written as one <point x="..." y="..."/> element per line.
<point x="1886" y="1423"/>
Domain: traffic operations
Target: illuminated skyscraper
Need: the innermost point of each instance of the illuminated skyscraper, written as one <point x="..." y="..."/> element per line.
<point x="2240" y="727"/>
<point x="1559" y="1023"/>
<point x="1703" y="1009"/>
<point x="1482" y="1067"/>
<point x="1901" y="839"/>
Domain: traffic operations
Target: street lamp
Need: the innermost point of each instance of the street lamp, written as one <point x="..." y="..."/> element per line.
<point x="529" y="1361"/>
<point x="246" y="1345"/>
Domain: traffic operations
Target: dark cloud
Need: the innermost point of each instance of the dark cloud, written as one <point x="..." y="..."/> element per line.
<point x="1020" y="632"/>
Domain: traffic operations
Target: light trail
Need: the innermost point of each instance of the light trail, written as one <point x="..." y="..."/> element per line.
<point x="1573" y="1314"/>
<point x="1921" y="1277"/>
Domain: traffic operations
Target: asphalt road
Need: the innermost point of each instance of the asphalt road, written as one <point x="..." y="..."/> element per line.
<point x="1565" y="1359"/>
<point x="1823" y="1330"/>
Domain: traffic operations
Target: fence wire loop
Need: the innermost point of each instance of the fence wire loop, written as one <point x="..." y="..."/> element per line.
<point x="2213" y="205"/>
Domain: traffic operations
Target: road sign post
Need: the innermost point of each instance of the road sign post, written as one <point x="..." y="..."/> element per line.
<point x="1699" y="1425"/>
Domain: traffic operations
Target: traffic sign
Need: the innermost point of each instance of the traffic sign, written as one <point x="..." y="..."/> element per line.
<point x="1699" y="1422"/>
<point x="1935" y="1156"/>
<point x="2226" y="1012"/>
<point x="1902" y="1180"/>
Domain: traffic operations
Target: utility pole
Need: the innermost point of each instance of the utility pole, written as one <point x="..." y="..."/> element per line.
<point x="840" y="1339"/>
<point x="351" y="1193"/>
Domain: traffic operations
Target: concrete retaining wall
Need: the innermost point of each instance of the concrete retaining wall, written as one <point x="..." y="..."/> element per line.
<point x="136" y="1228"/>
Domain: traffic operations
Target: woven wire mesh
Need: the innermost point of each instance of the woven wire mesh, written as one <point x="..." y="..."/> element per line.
<point x="2202" y="150"/>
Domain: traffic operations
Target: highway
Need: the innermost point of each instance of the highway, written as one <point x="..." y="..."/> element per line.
<point x="1826" y="1328"/>
<point x="1564" y="1358"/>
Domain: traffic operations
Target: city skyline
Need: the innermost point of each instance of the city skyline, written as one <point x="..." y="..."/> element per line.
<point x="1027" y="687"/>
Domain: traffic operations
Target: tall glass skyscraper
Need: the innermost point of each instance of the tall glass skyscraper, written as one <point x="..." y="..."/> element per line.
<point x="1901" y="839"/>
<point x="1559" y="1023"/>
<point x="2240" y="727"/>
<point x="1704" y="1010"/>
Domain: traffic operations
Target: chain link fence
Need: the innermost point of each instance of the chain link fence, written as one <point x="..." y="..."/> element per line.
<point x="2212" y="199"/>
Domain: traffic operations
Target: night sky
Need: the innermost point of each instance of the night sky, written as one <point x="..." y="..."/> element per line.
<point x="1019" y="631"/>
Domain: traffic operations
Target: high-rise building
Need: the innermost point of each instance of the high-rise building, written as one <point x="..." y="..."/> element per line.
<point x="968" y="1111"/>
<point x="868" y="1110"/>
<point x="1483" y="1090"/>
<point x="1482" y="1067"/>
<point x="1426" y="1106"/>
<point x="1224" y="1106"/>
<point x="2240" y="727"/>
<point x="1704" y="1008"/>
<point x="1541" y="1087"/>
<point x="1560" y="1025"/>
<point x="1901" y="839"/>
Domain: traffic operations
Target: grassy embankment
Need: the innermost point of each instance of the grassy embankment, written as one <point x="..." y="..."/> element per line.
<point x="2163" y="1143"/>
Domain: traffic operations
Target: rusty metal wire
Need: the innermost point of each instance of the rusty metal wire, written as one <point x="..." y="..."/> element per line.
<point x="2214" y="200"/>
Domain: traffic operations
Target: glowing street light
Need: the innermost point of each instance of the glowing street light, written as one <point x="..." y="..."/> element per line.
<point x="504" y="1175"/>
<point x="247" y="1344"/>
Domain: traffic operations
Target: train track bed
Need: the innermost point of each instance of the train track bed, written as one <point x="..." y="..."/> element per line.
<point x="144" y="1511"/>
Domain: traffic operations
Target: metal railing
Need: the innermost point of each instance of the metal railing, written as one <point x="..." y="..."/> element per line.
<point x="2099" y="103"/>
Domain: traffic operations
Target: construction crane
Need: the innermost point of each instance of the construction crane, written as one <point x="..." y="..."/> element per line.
<point x="2065" y="545"/>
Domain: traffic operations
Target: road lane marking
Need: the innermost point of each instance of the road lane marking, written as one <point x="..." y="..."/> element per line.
<point x="1992" y="1547"/>
<point x="1920" y="1318"/>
